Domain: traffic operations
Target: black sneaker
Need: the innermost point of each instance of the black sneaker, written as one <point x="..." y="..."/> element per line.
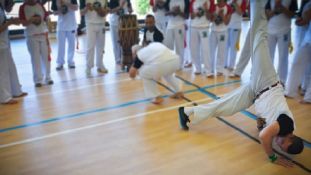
<point x="50" y="82"/>
<point x="38" y="85"/>
<point x="58" y="68"/>
<point x="183" y="119"/>
<point x="72" y="66"/>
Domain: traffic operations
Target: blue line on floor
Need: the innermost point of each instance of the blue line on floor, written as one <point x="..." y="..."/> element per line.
<point x="80" y="114"/>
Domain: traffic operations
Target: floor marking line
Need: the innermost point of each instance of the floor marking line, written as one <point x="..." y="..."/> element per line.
<point x="96" y="125"/>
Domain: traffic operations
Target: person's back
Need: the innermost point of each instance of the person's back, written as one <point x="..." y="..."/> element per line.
<point x="156" y="53"/>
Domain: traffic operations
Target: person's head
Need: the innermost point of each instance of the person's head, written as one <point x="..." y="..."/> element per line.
<point x="290" y="143"/>
<point x="135" y="49"/>
<point x="150" y="22"/>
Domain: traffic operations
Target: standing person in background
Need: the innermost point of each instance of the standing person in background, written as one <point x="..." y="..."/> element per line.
<point x="34" y="16"/>
<point x="202" y="11"/>
<point x="117" y="8"/>
<point x="218" y="38"/>
<point x="245" y="53"/>
<point x="299" y="35"/>
<point x="279" y="14"/>
<point x="234" y="32"/>
<point x="9" y="84"/>
<point x="175" y="33"/>
<point x="159" y="8"/>
<point x="66" y="30"/>
<point x="95" y="17"/>
<point x="151" y="31"/>
<point x="302" y="59"/>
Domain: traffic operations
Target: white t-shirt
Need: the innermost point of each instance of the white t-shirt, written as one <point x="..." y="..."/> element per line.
<point x="149" y="36"/>
<point x="159" y="15"/>
<point x="279" y="24"/>
<point x="200" y="21"/>
<point x="27" y="11"/>
<point x="91" y="17"/>
<point x="4" y="37"/>
<point x="176" y="21"/>
<point x="236" y="19"/>
<point x="67" y="22"/>
<point x="271" y="104"/>
<point x="221" y="27"/>
<point x="156" y="53"/>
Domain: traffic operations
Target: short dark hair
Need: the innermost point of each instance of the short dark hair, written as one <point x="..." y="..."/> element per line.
<point x="297" y="145"/>
<point x="149" y="16"/>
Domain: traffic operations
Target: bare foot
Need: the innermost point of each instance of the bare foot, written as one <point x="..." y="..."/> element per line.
<point x="177" y="95"/>
<point x="10" y="102"/>
<point x="23" y="94"/>
<point x="188" y="65"/>
<point x="232" y="75"/>
<point x="157" y="100"/>
<point x="304" y="102"/>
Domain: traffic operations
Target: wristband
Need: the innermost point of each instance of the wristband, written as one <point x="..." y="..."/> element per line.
<point x="273" y="157"/>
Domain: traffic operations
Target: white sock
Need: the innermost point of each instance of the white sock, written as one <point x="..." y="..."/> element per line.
<point x="188" y="111"/>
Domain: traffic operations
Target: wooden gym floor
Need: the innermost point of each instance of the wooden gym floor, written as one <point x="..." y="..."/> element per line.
<point x="105" y="125"/>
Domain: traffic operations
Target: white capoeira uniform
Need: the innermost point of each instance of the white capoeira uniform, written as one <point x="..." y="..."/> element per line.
<point x="114" y="29"/>
<point x="160" y="17"/>
<point x="158" y="61"/>
<point x="37" y="42"/>
<point x="174" y="37"/>
<point x="218" y="42"/>
<point x="9" y="83"/>
<point x="299" y="36"/>
<point x="279" y="30"/>
<point x="199" y="35"/>
<point x="244" y="57"/>
<point x="234" y="31"/>
<point x="66" y="30"/>
<point x="301" y="62"/>
<point x="95" y="37"/>
<point x="271" y="103"/>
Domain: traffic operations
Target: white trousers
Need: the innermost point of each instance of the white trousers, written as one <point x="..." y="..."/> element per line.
<point x="263" y="73"/>
<point x="218" y="42"/>
<point x="95" y="38"/>
<point x="199" y="48"/>
<point x="9" y="83"/>
<point x="62" y="36"/>
<point x="302" y="61"/>
<point x="115" y="43"/>
<point x="38" y="50"/>
<point x="307" y="96"/>
<point x="161" y="24"/>
<point x="174" y="39"/>
<point x="231" y="51"/>
<point x="282" y="40"/>
<point x="152" y="73"/>
<point x="245" y="56"/>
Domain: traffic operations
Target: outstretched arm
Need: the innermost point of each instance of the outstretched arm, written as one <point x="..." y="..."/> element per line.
<point x="266" y="138"/>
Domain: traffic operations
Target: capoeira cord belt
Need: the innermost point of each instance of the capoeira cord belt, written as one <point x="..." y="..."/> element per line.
<point x="266" y="89"/>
